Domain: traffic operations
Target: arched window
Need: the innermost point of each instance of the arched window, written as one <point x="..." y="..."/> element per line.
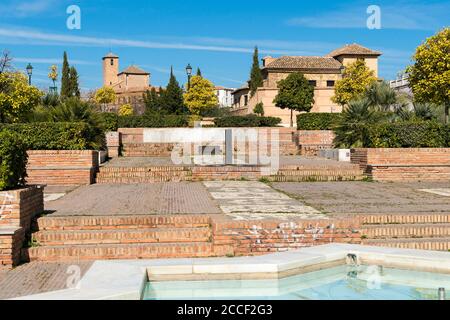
<point x="112" y="62"/>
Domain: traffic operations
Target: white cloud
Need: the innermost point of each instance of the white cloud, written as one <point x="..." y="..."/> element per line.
<point x="404" y="15"/>
<point x="26" y="8"/>
<point x="51" y="61"/>
<point x="31" y="37"/>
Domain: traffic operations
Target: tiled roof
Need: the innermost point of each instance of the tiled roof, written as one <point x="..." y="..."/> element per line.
<point x="110" y="55"/>
<point x="290" y="62"/>
<point x="353" y="49"/>
<point x="134" y="70"/>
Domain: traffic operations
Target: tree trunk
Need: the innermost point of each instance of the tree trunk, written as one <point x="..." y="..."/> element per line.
<point x="292" y="118"/>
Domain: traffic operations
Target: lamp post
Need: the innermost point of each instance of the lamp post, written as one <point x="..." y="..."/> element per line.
<point x="29" y="72"/>
<point x="189" y="74"/>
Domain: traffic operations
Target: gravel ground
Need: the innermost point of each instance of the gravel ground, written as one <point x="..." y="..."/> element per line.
<point x="369" y="197"/>
<point x="156" y="198"/>
<point x="38" y="277"/>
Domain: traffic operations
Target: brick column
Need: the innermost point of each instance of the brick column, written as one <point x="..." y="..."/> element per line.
<point x="17" y="209"/>
<point x="113" y="144"/>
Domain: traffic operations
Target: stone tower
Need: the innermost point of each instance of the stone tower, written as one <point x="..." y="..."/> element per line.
<point x="110" y="69"/>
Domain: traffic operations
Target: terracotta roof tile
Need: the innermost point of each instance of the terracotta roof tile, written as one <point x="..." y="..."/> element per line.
<point x="134" y="70"/>
<point x="299" y="62"/>
<point x="353" y="49"/>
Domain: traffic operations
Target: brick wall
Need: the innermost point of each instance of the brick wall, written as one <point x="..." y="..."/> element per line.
<point x="311" y="141"/>
<point x="267" y="236"/>
<point x="113" y="144"/>
<point x="17" y="209"/>
<point x="404" y="164"/>
<point x="62" y="167"/>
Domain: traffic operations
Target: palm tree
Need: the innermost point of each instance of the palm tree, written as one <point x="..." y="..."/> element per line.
<point x="381" y="96"/>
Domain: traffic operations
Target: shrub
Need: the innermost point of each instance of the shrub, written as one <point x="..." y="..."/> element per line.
<point x="317" y="121"/>
<point x="109" y="121"/>
<point x="153" y="120"/>
<point x="411" y="134"/>
<point x="259" y="109"/>
<point x="55" y="135"/>
<point x="126" y="110"/>
<point x="13" y="160"/>
<point x="247" y="121"/>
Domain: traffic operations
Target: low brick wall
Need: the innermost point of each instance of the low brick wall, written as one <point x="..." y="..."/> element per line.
<point x="404" y="164"/>
<point x="312" y="141"/>
<point x="17" y="209"/>
<point x="268" y="236"/>
<point x="62" y="167"/>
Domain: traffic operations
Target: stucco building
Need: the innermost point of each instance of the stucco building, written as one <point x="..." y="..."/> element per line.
<point x="322" y="72"/>
<point x="224" y="96"/>
<point x="129" y="84"/>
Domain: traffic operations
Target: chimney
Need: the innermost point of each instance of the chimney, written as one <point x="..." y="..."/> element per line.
<point x="267" y="60"/>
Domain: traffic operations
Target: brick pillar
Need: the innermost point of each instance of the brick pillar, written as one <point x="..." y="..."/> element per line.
<point x="113" y="144"/>
<point x="17" y="209"/>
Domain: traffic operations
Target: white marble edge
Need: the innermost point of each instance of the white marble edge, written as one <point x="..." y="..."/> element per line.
<point x="125" y="279"/>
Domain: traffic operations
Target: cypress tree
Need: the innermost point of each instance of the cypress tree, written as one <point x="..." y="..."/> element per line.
<point x="74" y="85"/>
<point x="199" y="73"/>
<point x="172" y="97"/>
<point x="256" y="79"/>
<point x="65" y="78"/>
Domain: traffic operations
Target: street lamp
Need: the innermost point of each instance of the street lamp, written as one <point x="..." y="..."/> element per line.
<point x="29" y="72"/>
<point x="189" y="74"/>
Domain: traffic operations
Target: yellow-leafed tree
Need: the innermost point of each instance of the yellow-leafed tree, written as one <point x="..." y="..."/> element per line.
<point x="126" y="110"/>
<point x="357" y="77"/>
<point x="429" y="76"/>
<point x="200" y="96"/>
<point x="17" y="97"/>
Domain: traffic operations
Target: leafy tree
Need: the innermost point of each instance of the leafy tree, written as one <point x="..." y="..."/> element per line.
<point x="201" y="96"/>
<point x="152" y="101"/>
<point x="172" y="97"/>
<point x="295" y="93"/>
<point x="126" y="110"/>
<point x="74" y="86"/>
<point x="199" y="73"/>
<point x="256" y="78"/>
<point x="105" y="95"/>
<point x="17" y="97"/>
<point x="65" y="78"/>
<point x="357" y="77"/>
<point x="53" y="74"/>
<point x="5" y="61"/>
<point x="259" y="109"/>
<point x="429" y="76"/>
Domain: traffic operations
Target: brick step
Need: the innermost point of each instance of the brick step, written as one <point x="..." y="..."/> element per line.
<point x="131" y="180"/>
<point x="386" y="231"/>
<point x="407" y="218"/>
<point x="122" y="236"/>
<point x="317" y="175"/>
<point x="118" y="251"/>
<point x="168" y="169"/>
<point x="122" y="222"/>
<point x="436" y="244"/>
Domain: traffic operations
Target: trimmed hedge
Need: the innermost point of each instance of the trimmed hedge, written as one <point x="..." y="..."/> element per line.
<point x="55" y="135"/>
<point x="153" y="121"/>
<point x="13" y="160"/>
<point x="109" y="121"/>
<point x="317" y="121"/>
<point x="247" y="121"/>
<point x="411" y="134"/>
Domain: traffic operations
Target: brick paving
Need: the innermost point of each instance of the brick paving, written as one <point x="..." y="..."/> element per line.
<point x="367" y="197"/>
<point x="37" y="277"/>
<point x="166" y="161"/>
<point x="157" y="198"/>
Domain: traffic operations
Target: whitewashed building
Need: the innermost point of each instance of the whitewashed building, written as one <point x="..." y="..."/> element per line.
<point x="225" y="96"/>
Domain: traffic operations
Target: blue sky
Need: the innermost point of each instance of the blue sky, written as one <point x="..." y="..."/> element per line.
<point x="217" y="36"/>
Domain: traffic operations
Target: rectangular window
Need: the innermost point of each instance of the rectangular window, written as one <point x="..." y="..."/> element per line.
<point x="330" y="83"/>
<point x="313" y="83"/>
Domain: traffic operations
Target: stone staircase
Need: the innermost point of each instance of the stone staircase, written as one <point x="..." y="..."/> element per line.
<point x="311" y="173"/>
<point x="411" y="231"/>
<point x="129" y="175"/>
<point x="120" y="237"/>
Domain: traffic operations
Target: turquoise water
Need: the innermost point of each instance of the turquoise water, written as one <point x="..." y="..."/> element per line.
<point x="339" y="283"/>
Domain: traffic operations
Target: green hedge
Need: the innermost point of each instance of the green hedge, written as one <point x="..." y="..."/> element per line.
<point x="153" y="121"/>
<point x="412" y="134"/>
<point x="13" y="160"/>
<point x="247" y="121"/>
<point x="55" y="135"/>
<point x="109" y="121"/>
<point x="317" y="121"/>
